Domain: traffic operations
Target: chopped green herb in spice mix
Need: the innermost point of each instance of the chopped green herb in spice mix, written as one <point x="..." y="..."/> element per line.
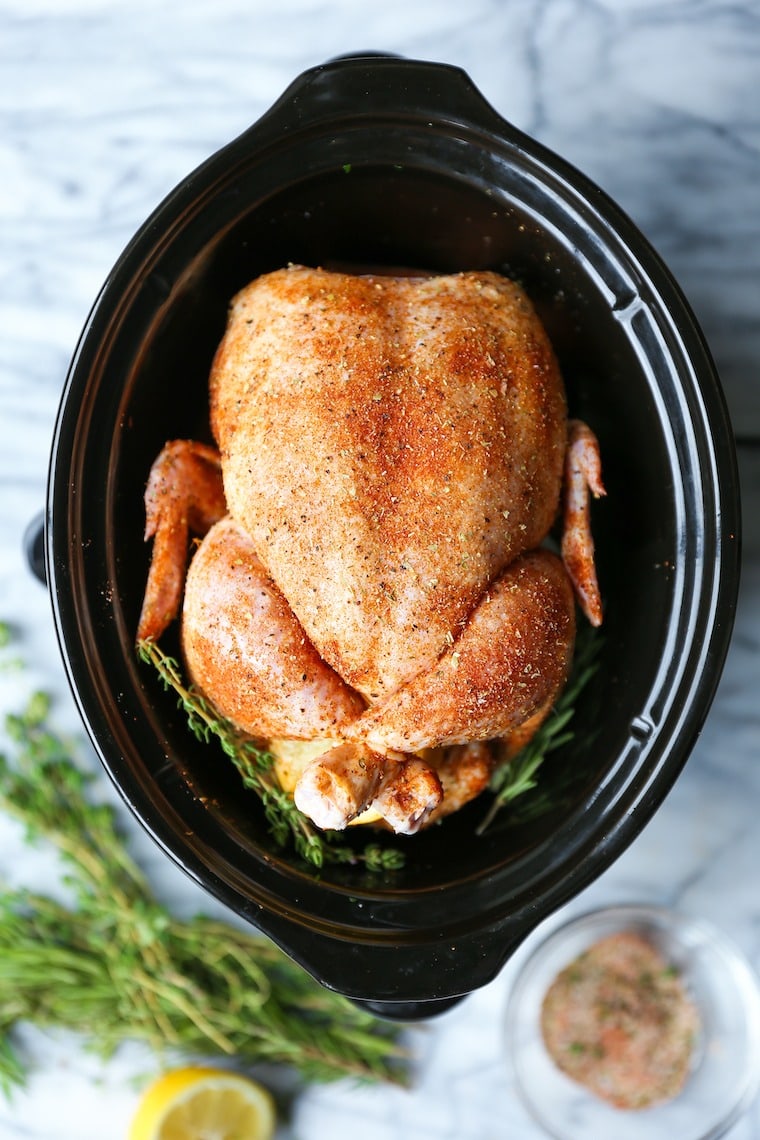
<point x="619" y="1021"/>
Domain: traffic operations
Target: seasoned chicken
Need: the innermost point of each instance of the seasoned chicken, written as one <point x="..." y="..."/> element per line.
<point x="392" y="451"/>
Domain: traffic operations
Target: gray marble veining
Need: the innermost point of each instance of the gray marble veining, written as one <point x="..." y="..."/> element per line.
<point x="104" y="107"/>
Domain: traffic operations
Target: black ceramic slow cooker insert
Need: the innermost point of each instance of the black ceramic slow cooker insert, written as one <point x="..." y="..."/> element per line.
<point x="385" y="161"/>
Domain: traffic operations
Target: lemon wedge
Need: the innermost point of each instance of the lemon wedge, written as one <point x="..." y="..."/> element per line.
<point x="196" y="1103"/>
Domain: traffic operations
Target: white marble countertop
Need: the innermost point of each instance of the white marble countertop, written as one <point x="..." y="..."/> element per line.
<point x="104" y="107"/>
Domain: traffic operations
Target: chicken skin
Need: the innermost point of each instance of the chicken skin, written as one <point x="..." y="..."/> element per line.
<point x="391" y="457"/>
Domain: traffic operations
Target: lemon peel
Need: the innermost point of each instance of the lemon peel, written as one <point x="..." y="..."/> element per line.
<point x="204" y="1103"/>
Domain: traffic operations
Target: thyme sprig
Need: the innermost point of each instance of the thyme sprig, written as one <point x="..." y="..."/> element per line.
<point x="518" y="775"/>
<point x="114" y="964"/>
<point x="255" y="766"/>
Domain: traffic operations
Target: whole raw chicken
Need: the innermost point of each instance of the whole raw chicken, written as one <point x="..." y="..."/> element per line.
<point x="391" y="456"/>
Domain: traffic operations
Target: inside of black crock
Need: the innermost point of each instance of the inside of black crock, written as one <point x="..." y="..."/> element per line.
<point x="158" y="368"/>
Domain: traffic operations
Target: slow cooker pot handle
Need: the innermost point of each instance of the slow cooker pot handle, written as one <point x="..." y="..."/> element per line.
<point x="370" y="84"/>
<point x="34" y="547"/>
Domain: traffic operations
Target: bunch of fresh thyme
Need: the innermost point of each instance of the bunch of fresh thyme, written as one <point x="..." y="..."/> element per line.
<point x="116" y="965"/>
<point x="255" y="766"/>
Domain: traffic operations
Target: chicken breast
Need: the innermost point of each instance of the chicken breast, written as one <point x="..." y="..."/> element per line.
<point x="389" y="445"/>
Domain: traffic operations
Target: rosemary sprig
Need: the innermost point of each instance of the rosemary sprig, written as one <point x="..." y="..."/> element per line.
<point x="7" y="664"/>
<point x="116" y="965"/>
<point x="255" y="766"/>
<point x="518" y="775"/>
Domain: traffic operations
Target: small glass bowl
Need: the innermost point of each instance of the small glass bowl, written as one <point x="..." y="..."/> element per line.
<point x="725" y="1072"/>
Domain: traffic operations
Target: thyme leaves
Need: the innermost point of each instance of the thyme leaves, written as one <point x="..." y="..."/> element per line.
<point x="256" y="769"/>
<point x="113" y="964"/>
<point x="519" y="775"/>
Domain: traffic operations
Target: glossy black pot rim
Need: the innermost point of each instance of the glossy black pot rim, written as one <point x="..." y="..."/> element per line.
<point x="338" y="110"/>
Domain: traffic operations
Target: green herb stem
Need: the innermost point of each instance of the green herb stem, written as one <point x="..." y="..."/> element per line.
<point x="116" y="965"/>
<point x="518" y="775"/>
<point x="255" y="767"/>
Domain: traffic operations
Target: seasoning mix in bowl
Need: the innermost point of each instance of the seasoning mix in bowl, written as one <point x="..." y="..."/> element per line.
<point x="635" y="1021"/>
<point x="620" y="1021"/>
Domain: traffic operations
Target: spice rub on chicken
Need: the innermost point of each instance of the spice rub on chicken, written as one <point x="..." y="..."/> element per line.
<point x="371" y="583"/>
